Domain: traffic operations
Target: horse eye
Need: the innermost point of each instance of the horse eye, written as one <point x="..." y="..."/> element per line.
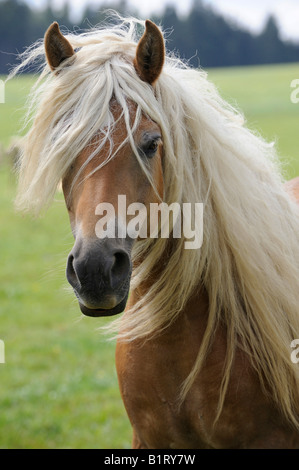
<point x="150" y="148"/>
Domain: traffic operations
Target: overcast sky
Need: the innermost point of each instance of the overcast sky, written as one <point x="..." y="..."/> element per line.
<point x="250" y="13"/>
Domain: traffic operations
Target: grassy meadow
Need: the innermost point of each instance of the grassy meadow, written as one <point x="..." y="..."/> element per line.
<point x="58" y="386"/>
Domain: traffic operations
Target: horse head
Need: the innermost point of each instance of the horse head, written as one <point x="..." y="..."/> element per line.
<point x="99" y="267"/>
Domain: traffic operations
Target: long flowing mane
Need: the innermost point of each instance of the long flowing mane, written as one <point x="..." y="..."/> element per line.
<point x="249" y="259"/>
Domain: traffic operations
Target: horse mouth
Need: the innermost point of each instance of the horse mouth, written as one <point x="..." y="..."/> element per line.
<point x="103" y="312"/>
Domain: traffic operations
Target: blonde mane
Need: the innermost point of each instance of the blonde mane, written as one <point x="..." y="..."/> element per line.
<point x="249" y="259"/>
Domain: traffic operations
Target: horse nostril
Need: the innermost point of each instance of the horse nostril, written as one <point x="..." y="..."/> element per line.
<point x="71" y="273"/>
<point x="120" y="269"/>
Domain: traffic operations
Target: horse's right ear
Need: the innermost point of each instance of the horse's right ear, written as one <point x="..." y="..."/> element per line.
<point x="57" y="47"/>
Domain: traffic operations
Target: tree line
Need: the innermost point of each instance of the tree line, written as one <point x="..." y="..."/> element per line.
<point x="203" y="37"/>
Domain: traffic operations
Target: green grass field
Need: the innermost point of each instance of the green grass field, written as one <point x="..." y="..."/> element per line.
<point x="263" y="95"/>
<point x="58" y="387"/>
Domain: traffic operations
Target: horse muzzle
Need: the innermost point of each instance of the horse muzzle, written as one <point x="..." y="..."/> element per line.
<point x="99" y="270"/>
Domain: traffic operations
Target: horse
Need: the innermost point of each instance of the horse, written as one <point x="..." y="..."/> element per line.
<point x="203" y="351"/>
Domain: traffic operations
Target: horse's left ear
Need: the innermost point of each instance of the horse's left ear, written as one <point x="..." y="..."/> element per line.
<point x="150" y="53"/>
<point x="57" y="46"/>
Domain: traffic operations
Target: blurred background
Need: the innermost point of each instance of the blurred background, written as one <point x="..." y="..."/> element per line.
<point x="58" y="386"/>
<point x="212" y="33"/>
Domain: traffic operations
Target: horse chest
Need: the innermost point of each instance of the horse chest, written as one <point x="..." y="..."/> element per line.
<point x="150" y="376"/>
<point x="149" y="387"/>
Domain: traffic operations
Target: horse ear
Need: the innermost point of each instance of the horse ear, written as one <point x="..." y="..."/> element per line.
<point x="150" y="53"/>
<point x="57" y="46"/>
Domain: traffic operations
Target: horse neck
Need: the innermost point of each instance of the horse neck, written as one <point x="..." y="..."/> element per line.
<point x="196" y="307"/>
